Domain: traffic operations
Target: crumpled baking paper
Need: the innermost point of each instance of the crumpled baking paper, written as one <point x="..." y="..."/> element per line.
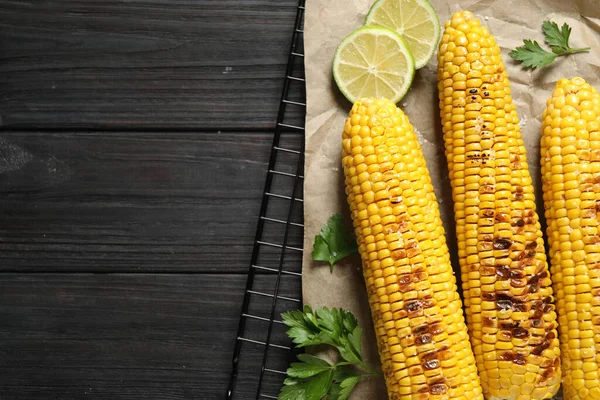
<point x="327" y="22"/>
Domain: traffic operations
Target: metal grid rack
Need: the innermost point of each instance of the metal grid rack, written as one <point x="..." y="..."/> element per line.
<point x="262" y="349"/>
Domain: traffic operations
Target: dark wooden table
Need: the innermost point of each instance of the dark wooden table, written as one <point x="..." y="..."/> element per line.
<point x="134" y="140"/>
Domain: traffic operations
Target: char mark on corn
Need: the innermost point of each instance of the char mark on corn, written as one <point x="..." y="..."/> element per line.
<point x="505" y="280"/>
<point x="570" y="148"/>
<point x="421" y="333"/>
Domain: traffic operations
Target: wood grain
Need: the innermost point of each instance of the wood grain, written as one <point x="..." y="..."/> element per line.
<point x="126" y="336"/>
<point x="135" y="201"/>
<point x="144" y="64"/>
<point x="134" y="145"/>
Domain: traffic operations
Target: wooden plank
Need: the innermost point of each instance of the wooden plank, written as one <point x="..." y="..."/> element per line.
<point x="148" y="63"/>
<point x="125" y="336"/>
<point x="137" y="201"/>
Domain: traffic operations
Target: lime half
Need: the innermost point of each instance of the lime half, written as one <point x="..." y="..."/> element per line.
<point x="415" y="20"/>
<point x="373" y="62"/>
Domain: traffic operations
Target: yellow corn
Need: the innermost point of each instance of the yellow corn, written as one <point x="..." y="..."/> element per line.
<point x="416" y="310"/>
<point x="505" y="280"/>
<point x="571" y="181"/>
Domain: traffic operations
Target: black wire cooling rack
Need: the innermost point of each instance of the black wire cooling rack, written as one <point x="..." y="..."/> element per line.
<point x="262" y="350"/>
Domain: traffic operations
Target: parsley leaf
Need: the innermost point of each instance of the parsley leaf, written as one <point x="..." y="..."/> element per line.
<point x="346" y="387"/>
<point x="532" y="55"/>
<point x="303" y="329"/>
<point x="310" y="389"/>
<point x="305" y="370"/>
<point x="350" y="321"/>
<point x="329" y="323"/>
<point x="557" y="39"/>
<point x="334" y="391"/>
<point x="311" y="377"/>
<point x="291" y="381"/>
<point x="354" y="339"/>
<point x="344" y="380"/>
<point x="307" y="358"/>
<point x="343" y="372"/>
<point x="334" y="242"/>
<point x="335" y="327"/>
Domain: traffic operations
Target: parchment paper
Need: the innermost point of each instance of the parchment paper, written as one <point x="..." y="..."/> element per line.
<point x="327" y="22"/>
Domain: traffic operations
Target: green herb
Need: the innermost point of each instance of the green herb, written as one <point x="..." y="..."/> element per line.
<point x="532" y="55"/>
<point x="312" y="378"/>
<point x="334" y="242"/>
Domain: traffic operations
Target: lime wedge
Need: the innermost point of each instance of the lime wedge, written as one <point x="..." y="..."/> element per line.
<point x="415" y="20"/>
<point x="373" y="62"/>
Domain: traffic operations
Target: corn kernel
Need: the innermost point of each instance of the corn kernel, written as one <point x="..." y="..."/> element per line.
<point x="565" y="130"/>
<point x="504" y="277"/>
<point x="405" y="258"/>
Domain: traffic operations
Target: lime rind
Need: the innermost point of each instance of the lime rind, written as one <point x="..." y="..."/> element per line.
<point x="421" y="62"/>
<point x="407" y="75"/>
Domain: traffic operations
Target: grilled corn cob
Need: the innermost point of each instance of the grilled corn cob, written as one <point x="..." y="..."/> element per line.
<point x="571" y="181"/>
<point x="505" y="279"/>
<point x="416" y="310"/>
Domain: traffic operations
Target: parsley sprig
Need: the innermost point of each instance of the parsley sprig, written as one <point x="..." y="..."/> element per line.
<point x="313" y="378"/>
<point x="334" y="242"/>
<point x="532" y="55"/>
